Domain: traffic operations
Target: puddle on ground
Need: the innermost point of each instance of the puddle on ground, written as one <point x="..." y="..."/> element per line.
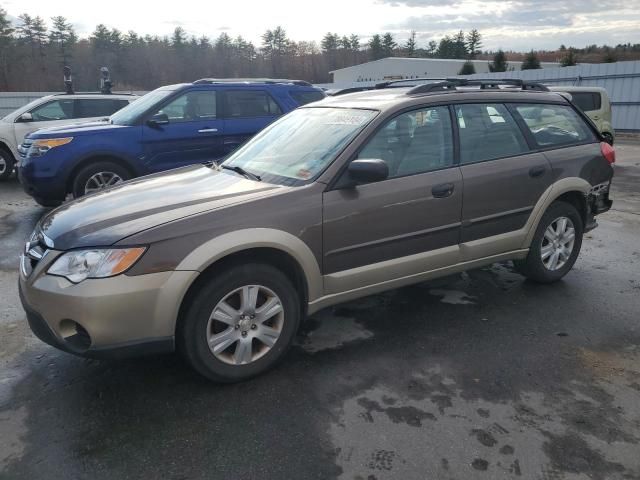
<point x="454" y="297"/>
<point x="383" y="434"/>
<point x="332" y="331"/>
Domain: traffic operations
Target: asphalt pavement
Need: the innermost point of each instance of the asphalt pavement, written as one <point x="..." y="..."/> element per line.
<point x="478" y="375"/>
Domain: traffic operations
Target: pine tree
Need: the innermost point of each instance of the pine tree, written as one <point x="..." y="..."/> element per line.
<point x="474" y="43"/>
<point x="499" y="63"/>
<point x="64" y="37"/>
<point x="6" y="42"/>
<point x="375" y="47"/>
<point x="388" y="44"/>
<point x="468" y="68"/>
<point x="570" y="59"/>
<point x="531" y="61"/>
<point x="410" y="46"/>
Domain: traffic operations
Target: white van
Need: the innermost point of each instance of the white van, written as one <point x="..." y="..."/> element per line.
<point x="594" y="101"/>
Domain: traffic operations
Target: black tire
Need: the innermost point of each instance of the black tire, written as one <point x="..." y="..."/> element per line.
<point x="81" y="178"/>
<point x="533" y="267"/>
<point x="45" y="202"/>
<point x="192" y="330"/>
<point x="8" y="163"/>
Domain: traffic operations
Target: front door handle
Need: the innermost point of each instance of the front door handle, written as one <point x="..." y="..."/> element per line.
<point x="443" y="190"/>
<point x="208" y="130"/>
<point x="537" y="171"/>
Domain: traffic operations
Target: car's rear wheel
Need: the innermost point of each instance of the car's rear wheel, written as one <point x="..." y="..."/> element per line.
<point x="555" y="245"/>
<point x="7" y="163"/>
<point x="240" y="323"/>
<point x="98" y="176"/>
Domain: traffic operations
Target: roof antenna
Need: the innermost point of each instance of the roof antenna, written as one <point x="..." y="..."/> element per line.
<point x="105" y="81"/>
<point x="68" y="81"/>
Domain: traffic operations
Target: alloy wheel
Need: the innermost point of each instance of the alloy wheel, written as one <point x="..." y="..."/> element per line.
<point x="557" y="243"/>
<point x="245" y="324"/>
<point x="100" y="181"/>
<point x="3" y="164"/>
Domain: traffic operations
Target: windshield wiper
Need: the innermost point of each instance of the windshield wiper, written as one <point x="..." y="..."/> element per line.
<point x="242" y="172"/>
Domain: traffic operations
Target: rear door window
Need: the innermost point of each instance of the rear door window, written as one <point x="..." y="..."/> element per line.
<point x="555" y="125"/>
<point x="587" y="101"/>
<point x="98" y="107"/>
<point x="250" y="103"/>
<point x="487" y="132"/>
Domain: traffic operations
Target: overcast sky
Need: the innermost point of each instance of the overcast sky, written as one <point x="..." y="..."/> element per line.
<point x="508" y="24"/>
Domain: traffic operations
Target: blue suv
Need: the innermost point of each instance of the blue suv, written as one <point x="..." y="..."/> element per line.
<point x="170" y="127"/>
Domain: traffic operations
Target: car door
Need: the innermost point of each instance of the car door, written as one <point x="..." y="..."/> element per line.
<point x="246" y="112"/>
<point x="406" y="224"/>
<point x="192" y="134"/>
<point x="503" y="178"/>
<point x="50" y="114"/>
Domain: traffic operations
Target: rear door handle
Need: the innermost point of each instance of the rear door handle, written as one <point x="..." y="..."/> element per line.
<point x="537" y="171"/>
<point x="443" y="190"/>
<point x="208" y="130"/>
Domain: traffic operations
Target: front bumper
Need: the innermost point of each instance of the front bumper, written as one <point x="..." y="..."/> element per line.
<point x="104" y="318"/>
<point x="47" y="185"/>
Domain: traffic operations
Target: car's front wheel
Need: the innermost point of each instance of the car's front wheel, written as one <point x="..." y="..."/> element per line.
<point x="555" y="245"/>
<point x="7" y="163"/>
<point x="98" y="176"/>
<point x="240" y="323"/>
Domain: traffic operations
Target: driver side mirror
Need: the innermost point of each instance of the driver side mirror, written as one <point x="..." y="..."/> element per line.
<point x="368" y="170"/>
<point x="158" y="119"/>
<point x="25" y="117"/>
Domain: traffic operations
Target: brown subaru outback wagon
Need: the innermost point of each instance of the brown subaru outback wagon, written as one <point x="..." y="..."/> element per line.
<point x="340" y="199"/>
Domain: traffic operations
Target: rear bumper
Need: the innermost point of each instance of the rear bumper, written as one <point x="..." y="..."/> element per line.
<point x="598" y="202"/>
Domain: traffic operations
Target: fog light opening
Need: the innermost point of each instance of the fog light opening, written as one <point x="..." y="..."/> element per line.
<point x="75" y="335"/>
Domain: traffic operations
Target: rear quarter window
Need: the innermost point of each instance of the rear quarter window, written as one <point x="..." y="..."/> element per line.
<point x="302" y="97"/>
<point x="98" y="107"/>
<point x="555" y="125"/>
<point x="587" y="101"/>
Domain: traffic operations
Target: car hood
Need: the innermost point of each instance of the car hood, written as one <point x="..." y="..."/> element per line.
<point x="76" y="129"/>
<point x="106" y="217"/>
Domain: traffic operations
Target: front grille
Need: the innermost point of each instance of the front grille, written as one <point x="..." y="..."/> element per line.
<point x="34" y="251"/>
<point x="24" y="148"/>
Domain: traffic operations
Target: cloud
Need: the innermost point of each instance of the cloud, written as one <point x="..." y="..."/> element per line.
<point x="517" y="22"/>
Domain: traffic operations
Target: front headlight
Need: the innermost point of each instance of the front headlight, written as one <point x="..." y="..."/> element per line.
<point x="78" y="265"/>
<point x="41" y="146"/>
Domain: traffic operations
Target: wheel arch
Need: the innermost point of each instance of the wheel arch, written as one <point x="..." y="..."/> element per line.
<point x="573" y="190"/>
<point x="5" y="145"/>
<point x="277" y="248"/>
<point x="98" y="157"/>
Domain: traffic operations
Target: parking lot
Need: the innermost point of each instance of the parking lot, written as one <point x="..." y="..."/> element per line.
<point x="479" y="375"/>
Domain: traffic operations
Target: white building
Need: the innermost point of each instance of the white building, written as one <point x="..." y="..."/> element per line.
<point x="397" y="68"/>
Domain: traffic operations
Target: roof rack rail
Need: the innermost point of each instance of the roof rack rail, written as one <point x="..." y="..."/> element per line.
<point x="251" y="80"/>
<point x="343" y="91"/>
<point x="483" y="83"/>
<point x="393" y="83"/>
<point x="94" y="93"/>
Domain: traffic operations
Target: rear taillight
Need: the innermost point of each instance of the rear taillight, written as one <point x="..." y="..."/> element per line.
<point x="608" y="152"/>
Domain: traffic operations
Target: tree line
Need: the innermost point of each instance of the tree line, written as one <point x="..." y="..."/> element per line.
<point x="33" y="51"/>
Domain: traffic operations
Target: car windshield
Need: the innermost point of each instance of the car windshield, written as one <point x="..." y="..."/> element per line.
<point x="129" y="114"/>
<point x="300" y="145"/>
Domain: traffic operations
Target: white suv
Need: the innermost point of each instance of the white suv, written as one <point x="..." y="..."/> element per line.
<point x="51" y="111"/>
